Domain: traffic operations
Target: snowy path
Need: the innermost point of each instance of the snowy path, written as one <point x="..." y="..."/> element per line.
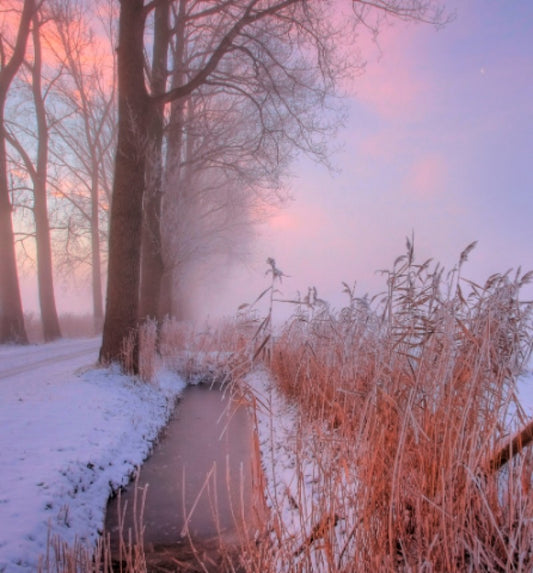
<point x="68" y="433"/>
<point x="76" y="353"/>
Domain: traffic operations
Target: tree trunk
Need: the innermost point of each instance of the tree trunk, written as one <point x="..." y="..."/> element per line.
<point x="184" y="147"/>
<point x="96" y="259"/>
<point x="11" y="315"/>
<point x="49" y="318"/>
<point x="165" y="297"/>
<point x="45" y="277"/>
<point x="152" y="258"/>
<point x="173" y="168"/>
<point x="122" y="302"/>
<point x="514" y="446"/>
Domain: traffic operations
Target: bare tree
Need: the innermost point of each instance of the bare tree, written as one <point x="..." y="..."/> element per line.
<point x="239" y="27"/>
<point x="229" y="143"/>
<point x="64" y="142"/>
<point x="225" y="181"/>
<point x="122" y="302"/>
<point x="45" y="276"/>
<point x="38" y="173"/>
<point x="11" y="315"/>
<point x="84" y="140"/>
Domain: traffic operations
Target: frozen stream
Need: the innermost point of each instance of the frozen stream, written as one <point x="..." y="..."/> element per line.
<point x="199" y="475"/>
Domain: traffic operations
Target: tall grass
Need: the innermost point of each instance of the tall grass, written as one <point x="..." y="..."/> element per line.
<point x="124" y="553"/>
<point x="214" y="354"/>
<point x="405" y="398"/>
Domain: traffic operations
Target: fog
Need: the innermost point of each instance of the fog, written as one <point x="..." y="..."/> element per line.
<point x="437" y="142"/>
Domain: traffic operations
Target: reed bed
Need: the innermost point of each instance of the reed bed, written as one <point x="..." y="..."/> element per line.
<point x="404" y="399"/>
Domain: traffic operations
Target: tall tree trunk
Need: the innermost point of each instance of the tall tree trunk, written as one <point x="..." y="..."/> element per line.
<point x="122" y="302"/>
<point x="96" y="259"/>
<point x="173" y="167"/>
<point x="49" y="318"/>
<point x="152" y="258"/>
<point x="11" y="315"/>
<point x="184" y="145"/>
<point x="45" y="277"/>
<point x="165" y="297"/>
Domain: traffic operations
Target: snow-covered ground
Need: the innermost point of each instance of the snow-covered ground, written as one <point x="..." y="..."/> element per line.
<point x="69" y="434"/>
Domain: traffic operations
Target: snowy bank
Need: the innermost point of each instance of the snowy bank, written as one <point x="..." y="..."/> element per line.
<point x="68" y="440"/>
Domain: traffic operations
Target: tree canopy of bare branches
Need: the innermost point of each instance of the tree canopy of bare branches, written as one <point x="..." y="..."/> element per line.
<point x="277" y="55"/>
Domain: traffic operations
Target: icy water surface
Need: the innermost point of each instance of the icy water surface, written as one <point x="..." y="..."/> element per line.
<point x="199" y="475"/>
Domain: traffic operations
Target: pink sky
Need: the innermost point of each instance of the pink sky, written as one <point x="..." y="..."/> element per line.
<point x="438" y="142"/>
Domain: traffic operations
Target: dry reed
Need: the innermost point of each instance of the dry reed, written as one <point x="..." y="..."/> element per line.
<point x="404" y="400"/>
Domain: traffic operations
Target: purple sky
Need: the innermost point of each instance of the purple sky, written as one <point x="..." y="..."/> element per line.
<point x="439" y="141"/>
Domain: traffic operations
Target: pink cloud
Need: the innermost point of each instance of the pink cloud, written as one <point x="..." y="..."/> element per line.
<point x="382" y="145"/>
<point x="393" y="83"/>
<point x="427" y="177"/>
<point x="304" y="222"/>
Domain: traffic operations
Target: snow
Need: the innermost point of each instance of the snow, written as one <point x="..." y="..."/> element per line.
<point x="277" y="429"/>
<point x="71" y="433"/>
<point x="295" y="481"/>
<point x="525" y="390"/>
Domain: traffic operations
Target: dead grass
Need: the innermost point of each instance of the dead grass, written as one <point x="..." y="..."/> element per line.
<point x="147" y="352"/>
<point x="139" y="351"/>
<point x="405" y="399"/>
<point x="206" y="354"/>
